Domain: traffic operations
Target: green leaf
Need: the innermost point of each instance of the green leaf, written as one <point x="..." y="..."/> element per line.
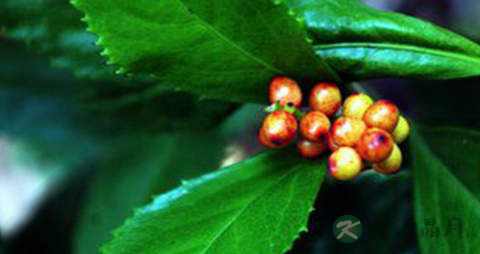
<point x="360" y="42"/>
<point x="213" y="48"/>
<point x="62" y="37"/>
<point x="446" y="187"/>
<point x="256" y="206"/>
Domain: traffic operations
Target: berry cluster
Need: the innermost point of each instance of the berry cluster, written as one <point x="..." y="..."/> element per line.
<point x="365" y="133"/>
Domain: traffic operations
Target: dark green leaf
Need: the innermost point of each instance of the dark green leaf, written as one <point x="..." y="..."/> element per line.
<point x="360" y="42"/>
<point x="129" y="177"/>
<point x="54" y="27"/>
<point x="446" y="187"/>
<point x="256" y="206"/>
<point x="220" y="49"/>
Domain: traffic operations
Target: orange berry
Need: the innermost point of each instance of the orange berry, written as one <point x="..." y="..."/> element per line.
<point x="345" y="163"/>
<point x="310" y="149"/>
<point x="264" y="141"/>
<point x="278" y="129"/>
<point x="401" y="131"/>
<point x="286" y="91"/>
<point x="391" y="164"/>
<point x="331" y="144"/>
<point x="382" y="114"/>
<point x="346" y="131"/>
<point x="314" y="126"/>
<point x="356" y="104"/>
<point x="326" y="98"/>
<point x="375" y="145"/>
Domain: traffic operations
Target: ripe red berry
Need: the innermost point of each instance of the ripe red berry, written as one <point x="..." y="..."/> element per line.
<point x="391" y="164"/>
<point x="314" y="126"/>
<point x="344" y="164"/>
<point x="382" y="114"/>
<point x="286" y="91"/>
<point x="346" y="131"/>
<point x="356" y="104"/>
<point x="310" y="149"/>
<point x="375" y="145"/>
<point x="278" y="129"/>
<point x="326" y="98"/>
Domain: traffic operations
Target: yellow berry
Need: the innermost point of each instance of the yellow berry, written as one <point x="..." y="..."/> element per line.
<point x="345" y="163"/>
<point x="356" y="104"/>
<point x="401" y="131"/>
<point x="391" y="164"/>
<point x="326" y="98"/>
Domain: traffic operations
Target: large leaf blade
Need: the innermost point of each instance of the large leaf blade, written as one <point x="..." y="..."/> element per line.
<point x="263" y="201"/>
<point x="445" y="192"/>
<point x="211" y="48"/>
<point x="360" y="42"/>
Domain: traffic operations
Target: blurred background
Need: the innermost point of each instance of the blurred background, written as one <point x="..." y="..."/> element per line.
<point x="80" y="147"/>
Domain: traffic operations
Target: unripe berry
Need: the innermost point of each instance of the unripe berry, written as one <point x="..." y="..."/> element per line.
<point x="310" y="149"/>
<point x="356" y="105"/>
<point x="314" y="126"/>
<point x="347" y="131"/>
<point x="382" y="114"/>
<point x="375" y="145"/>
<point x="326" y="98"/>
<point x="401" y="131"/>
<point x="278" y="129"/>
<point x="391" y="164"/>
<point x="344" y="164"/>
<point x="286" y="91"/>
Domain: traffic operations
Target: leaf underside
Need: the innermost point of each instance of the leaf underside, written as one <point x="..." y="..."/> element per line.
<point x="446" y="187"/>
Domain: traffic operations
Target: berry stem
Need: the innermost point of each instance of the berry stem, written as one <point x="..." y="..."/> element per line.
<point x="290" y="109"/>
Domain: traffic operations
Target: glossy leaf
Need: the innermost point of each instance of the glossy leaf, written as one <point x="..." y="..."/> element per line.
<point x="256" y="206"/>
<point x="229" y="54"/>
<point x="360" y="42"/>
<point x="446" y="188"/>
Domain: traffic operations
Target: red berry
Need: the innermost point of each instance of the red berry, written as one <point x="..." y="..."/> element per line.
<point x="347" y="131"/>
<point x="314" y="126"/>
<point x="310" y="149"/>
<point x="375" y="145"/>
<point x="278" y="129"/>
<point x="382" y="114"/>
<point x="286" y="91"/>
<point x="331" y="144"/>
<point x="344" y="164"/>
<point x="326" y="98"/>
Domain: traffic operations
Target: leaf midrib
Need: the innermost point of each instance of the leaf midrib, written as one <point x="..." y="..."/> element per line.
<point x="212" y="29"/>
<point x="242" y="210"/>
<point x="400" y="47"/>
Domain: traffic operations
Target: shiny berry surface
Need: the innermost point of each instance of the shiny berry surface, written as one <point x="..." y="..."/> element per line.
<point x="314" y="126"/>
<point x="346" y="131"/>
<point x="309" y="149"/>
<point x="375" y="145"/>
<point x="391" y="164"/>
<point x="356" y="105"/>
<point x="401" y="131"/>
<point x="279" y="128"/>
<point x="286" y="91"/>
<point x="326" y="98"/>
<point x="345" y="163"/>
<point x="263" y="140"/>
<point x="382" y="114"/>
